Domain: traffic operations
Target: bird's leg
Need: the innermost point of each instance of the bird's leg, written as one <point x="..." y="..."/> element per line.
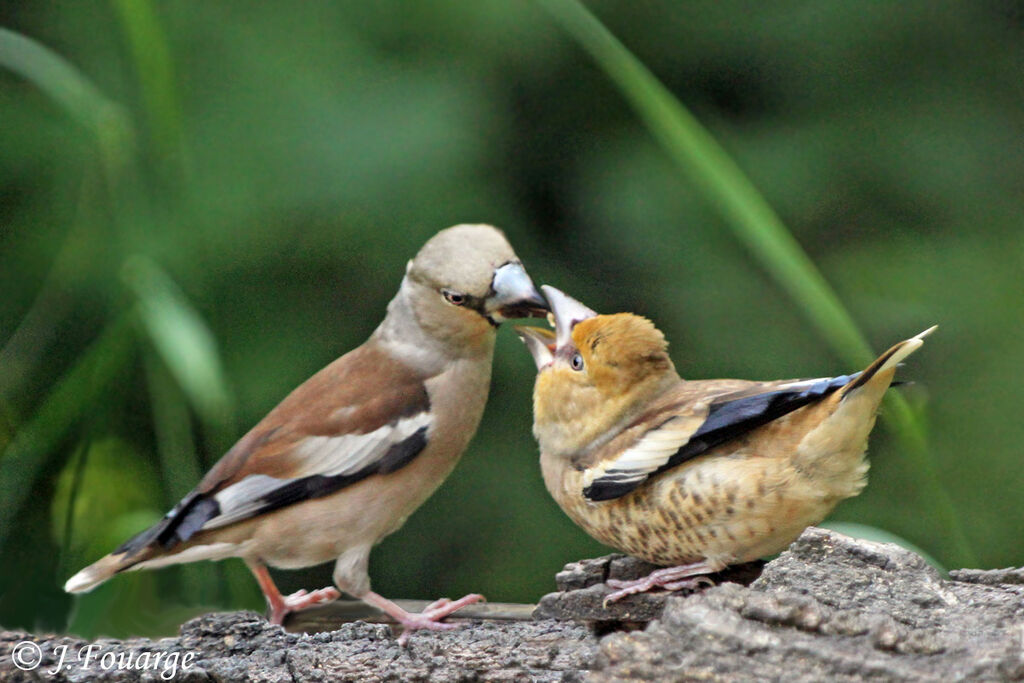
<point x="281" y="605"/>
<point x="429" y="618"/>
<point x="670" y="578"/>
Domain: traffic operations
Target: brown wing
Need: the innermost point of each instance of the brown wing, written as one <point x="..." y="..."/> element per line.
<point x="359" y="393"/>
<point x="691" y="421"/>
<point x="363" y="414"/>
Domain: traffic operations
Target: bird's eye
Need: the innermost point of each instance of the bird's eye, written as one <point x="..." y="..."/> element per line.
<point x="576" y="362"/>
<point x="453" y="298"/>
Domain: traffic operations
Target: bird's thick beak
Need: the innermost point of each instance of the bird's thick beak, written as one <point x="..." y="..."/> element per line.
<point x="567" y="312"/>
<point x="540" y="342"/>
<point x="515" y="295"/>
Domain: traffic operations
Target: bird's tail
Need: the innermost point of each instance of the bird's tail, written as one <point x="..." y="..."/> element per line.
<point x="885" y="365"/>
<point x="159" y="545"/>
<point x="101" y="570"/>
<point x="833" y="452"/>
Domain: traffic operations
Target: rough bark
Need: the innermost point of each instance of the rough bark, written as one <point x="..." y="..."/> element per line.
<point x="830" y="608"/>
<point x="242" y="646"/>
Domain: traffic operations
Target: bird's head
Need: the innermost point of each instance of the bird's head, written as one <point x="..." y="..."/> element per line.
<point x="594" y="372"/>
<point x="463" y="283"/>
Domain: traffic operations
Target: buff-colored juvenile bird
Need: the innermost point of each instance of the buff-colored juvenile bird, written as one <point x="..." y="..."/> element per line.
<point x="695" y="475"/>
<point x="350" y="454"/>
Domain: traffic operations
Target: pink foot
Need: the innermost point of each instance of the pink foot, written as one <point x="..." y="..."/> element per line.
<point x="429" y="619"/>
<point x="439" y="609"/>
<point x="301" y="600"/>
<point x="670" y="579"/>
<point x="280" y="606"/>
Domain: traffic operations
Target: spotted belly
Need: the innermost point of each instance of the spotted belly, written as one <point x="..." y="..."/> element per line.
<point x="724" y="509"/>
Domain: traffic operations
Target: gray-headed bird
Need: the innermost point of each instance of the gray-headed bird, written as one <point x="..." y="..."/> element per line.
<point x="345" y="458"/>
<point x="694" y="475"/>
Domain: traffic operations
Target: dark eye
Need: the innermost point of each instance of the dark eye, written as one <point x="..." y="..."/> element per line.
<point x="453" y="298"/>
<point x="576" y="362"/>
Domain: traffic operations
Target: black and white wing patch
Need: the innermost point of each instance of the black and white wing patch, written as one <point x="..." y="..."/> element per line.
<point x="679" y="439"/>
<point x="620" y="475"/>
<point x="330" y="463"/>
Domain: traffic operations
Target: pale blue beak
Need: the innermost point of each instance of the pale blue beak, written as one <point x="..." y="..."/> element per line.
<point x="567" y="312"/>
<point x="515" y="295"/>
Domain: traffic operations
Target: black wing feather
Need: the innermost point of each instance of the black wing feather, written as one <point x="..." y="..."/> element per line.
<point x="196" y="509"/>
<point x="726" y="420"/>
<point x="180" y="524"/>
<point x="319" y="485"/>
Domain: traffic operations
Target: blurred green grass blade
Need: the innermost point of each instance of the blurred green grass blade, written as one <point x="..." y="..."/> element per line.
<point x="181" y="337"/>
<point x="69" y="88"/>
<point x="55" y="76"/>
<point x="721" y="180"/>
<point x="179" y="463"/>
<point x="79" y="460"/>
<point x="154" y="65"/>
<point x="35" y="443"/>
<point x="756" y="225"/>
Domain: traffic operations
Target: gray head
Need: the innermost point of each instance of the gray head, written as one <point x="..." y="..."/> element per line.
<point x="465" y="281"/>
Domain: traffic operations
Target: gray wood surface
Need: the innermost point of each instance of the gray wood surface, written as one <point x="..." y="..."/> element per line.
<point x="332" y="615"/>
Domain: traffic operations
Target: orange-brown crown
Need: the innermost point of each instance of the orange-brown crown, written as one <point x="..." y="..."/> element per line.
<point x="625" y="365"/>
<point x="622" y="351"/>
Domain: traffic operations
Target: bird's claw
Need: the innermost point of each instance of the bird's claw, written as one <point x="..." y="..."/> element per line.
<point x="663" y="578"/>
<point x="300" y="600"/>
<point x="430" y="618"/>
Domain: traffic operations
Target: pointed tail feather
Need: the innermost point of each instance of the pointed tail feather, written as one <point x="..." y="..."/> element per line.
<point x="101" y="570"/>
<point x="889" y="360"/>
<point x="160" y="540"/>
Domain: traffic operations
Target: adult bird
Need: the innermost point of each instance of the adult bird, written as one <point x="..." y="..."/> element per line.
<point x="345" y="458"/>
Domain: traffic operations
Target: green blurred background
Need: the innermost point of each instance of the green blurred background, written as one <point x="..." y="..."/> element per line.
<point x="209" y="201"/>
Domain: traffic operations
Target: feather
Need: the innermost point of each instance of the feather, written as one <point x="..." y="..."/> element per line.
<point x="341" y="461"/>
<point x="677" y="440"/>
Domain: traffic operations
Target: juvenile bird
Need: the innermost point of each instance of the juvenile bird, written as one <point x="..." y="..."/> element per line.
<point x="696" y="475"/>
<point x="345" y="458"/>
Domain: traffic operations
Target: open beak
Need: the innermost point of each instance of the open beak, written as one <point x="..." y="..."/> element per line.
<point x="515" y="295"/>
<point x="540" y="342"/>
<point x="567" y="312"/>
